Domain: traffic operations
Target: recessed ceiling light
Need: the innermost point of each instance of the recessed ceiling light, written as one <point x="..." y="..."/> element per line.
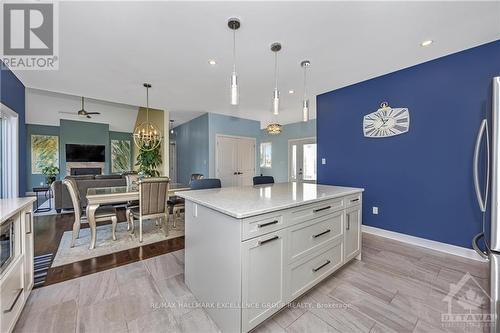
<point x="291" y="91"/>
<point x="426" y="43"/>
<point x="212" y="62"/>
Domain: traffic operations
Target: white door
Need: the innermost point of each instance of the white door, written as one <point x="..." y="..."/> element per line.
<point x="235" y="160"/>
<point x="302" y="160"/>
<point x="173" y="162"/>
<point x="246" y="161"/>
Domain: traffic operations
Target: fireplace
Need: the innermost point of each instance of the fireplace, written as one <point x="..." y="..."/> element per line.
<point x="85" y="171"/>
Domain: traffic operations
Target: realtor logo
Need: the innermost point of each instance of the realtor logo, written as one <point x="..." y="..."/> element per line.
<point x="29" y="36"/>
<point x="468" y="304"/>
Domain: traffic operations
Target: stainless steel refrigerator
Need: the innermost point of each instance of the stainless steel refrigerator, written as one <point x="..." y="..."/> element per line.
<point x="490" y="227"/>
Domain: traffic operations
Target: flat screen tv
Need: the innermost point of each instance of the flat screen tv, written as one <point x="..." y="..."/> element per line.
<point x="85" y="153"/>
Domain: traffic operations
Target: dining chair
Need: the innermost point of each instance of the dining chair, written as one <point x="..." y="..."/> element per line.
<point x="206" y="183"/>
<point x="103" y="213"/>
<point x="153" y="195"/>
<point x="177" y="204"/>
<point x="195" y="176"/>
<point x="131" y="178"/>
<point x="260" y="180"/>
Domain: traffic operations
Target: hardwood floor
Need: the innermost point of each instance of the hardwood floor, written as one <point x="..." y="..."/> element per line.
<point x="394" y="288"/>
<point x="48" y="234"/>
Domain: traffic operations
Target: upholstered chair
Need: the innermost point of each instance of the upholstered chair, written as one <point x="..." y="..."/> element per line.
<point x="153" y="195"/>
<point x="261" y="180"/>
<point x="206" y="183"/>
<point x="104" y="213"/>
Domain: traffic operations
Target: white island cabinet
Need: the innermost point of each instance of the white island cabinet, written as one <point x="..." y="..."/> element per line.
<point x="16" y="269"/>
<point x="251" y="250"/>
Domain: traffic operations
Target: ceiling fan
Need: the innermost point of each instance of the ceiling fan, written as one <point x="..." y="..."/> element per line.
<point x="82" y="112"/>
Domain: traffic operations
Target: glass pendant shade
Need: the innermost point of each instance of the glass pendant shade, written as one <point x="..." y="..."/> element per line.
<point x="305" y="101"/>
<point x="234" y="24"/>
<point x="305" y="110"/>
<point x="235" y="96"/>
<point x="276" y="47"/>
<point x="276" y="102"/>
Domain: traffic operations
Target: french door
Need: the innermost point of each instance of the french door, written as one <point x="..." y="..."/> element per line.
<point x="302" y="160"/>
<point x="235" y="160"/>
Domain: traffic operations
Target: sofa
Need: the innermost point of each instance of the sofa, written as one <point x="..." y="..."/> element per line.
<point x="62" y="200"/>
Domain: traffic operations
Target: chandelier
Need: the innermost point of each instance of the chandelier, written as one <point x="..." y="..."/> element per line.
<point x="147" y="136"/>
<point x="274" y="129"/>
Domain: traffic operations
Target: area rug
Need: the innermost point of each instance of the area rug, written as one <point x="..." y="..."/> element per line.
<point x="105" y="245"/>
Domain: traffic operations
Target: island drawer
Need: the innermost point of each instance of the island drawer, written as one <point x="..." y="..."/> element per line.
<point x="353" y="200"/>
<point x="311" y="211"/>
<point x="262" y="225"/>
<point x="306" y="237"/>
<point x="307" y="272"/>
<point x="12" y="296"/>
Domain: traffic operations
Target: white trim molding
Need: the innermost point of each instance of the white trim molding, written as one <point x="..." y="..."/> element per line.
<point x="429" y="244"/>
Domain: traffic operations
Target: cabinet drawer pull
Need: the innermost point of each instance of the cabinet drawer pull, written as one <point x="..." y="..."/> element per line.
<point x="267" y="224"/>
<point x="28" y="220"/>
<point x="19" y="292"/>
<point x="320" y="209"/>
<point x="321" y="233"/>
<point x="354" y="200"/>
<point x="320" y="267"/>
<point x="348" y="222"/>
<point x="268" y="240"/>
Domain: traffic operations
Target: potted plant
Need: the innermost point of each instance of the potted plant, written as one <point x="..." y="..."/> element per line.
<point x="50" y="173"/>
<point x="148" y="162"/>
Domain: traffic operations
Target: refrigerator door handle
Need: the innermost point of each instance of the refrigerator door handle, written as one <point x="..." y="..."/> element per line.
<point x="475" y="240"/>
<point x="482" y="130"/>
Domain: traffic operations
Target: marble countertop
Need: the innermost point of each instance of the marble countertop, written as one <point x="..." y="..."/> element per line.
<point x="246" y="201"/>
<point x="11" y="206"/>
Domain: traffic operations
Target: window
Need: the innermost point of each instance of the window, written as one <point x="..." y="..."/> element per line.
<point x="266" y="152"/>
<point x="8" y="153"/>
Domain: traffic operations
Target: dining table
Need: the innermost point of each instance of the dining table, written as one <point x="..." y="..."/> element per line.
<point x="102" y="196"/>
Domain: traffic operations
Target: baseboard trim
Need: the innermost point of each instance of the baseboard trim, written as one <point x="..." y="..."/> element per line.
<point x="430" y="244"/>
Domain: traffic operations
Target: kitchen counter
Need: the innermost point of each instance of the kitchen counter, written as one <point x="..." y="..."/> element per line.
<point x="247" y="201"/>
<point x="11" y="206"/>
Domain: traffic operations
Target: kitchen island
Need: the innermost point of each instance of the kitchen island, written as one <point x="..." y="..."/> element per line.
<point x="251" y="250"/>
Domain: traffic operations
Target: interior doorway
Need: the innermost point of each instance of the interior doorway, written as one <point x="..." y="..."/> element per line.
<point x="235" y="160"/>
<point x="302" y="160"/>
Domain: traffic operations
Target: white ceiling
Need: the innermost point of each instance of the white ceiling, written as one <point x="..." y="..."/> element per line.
<point x="108" y="49"/>
<point x="43" y="108"/>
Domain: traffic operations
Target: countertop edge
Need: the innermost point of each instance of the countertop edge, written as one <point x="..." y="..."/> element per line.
<point x="269" y="210"/>
<point x="7" y="215"/>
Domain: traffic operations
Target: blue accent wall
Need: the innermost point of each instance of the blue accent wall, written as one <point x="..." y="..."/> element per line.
<point x="191" y="141"/>
<point x="421" y="181"/>
<point x="12" y="94"/>
<point x="85" y="133"/>
<point x="279" y="163"/>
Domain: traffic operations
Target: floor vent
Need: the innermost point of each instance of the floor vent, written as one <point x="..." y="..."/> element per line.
<point x="42" y="265"/>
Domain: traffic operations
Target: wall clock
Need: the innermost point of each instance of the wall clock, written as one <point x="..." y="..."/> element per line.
<point x="386" y="122"/>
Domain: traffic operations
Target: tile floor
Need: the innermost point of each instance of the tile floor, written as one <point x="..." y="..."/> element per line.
<point x="395" y="288"/>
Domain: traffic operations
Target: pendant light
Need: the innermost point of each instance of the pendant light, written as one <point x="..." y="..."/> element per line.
<point x="274" y="129"/>
<point x="305" y="101"/>
<point x="171" y="126"/>
<point x="147" y="136"/>
<point x="276" y="47"/>
<point x="234" y="24"/>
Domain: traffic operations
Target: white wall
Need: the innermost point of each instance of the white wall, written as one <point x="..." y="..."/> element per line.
<point x="42" y="108"/>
